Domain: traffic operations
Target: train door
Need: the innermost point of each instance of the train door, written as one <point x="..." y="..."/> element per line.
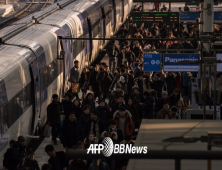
<point x="34" y="70"/>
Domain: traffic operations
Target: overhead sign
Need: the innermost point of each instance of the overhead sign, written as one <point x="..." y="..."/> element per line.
<point x="219" y="65"/>
<point x="152" y="62"/>
<point x="156" y="17"/>
<point x="189" y="16"/>
<point x="170" y="62"/>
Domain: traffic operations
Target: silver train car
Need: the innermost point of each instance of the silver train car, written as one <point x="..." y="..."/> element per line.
<point x="29" y="70"/>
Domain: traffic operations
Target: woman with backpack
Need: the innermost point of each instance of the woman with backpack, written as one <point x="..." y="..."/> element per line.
<point x="29" y="162"/>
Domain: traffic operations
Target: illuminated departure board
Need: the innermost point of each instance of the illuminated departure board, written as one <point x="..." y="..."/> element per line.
<point x="156" y="17"/>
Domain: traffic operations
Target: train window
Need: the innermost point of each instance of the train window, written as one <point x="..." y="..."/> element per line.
<point x="3" y="95"/>
<point x="15" y="108"/>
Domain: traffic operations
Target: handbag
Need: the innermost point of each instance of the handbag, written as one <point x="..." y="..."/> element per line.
<point x="75" y="88"/>
<point x="47" y="131"/>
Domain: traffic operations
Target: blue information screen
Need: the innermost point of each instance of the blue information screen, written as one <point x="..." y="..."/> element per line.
<point x="170" y="62"/>
<point x="189" y="16"/>
<point x="152" y="62"/>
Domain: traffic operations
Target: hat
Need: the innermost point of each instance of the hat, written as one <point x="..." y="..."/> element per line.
<point x="21" y="139"/>
<point x="146" y="93"/>
<point x="112" y="122"/>
<point x="174" y="108"/>
<point x="67" y="94"/>
<point x="54" y="96"/>
<point x="164" y="92"/>
<point x="131" y="72"/>
<point x="122" y="109"/>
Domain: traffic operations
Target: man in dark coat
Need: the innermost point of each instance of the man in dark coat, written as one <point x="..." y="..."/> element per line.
<point x="93" y="83"/>
<point x="171" y="83"/>
<point x="119" y="104"/>
<point x="112" y="125"/>
<point x="75" y="75"/>
<point x="162" y="100"/>
<point x="67" y="105"/>
<point x="104" y="113"/>
<point x="158" y="85"/>
<point x="71" y="132"/>
<point x="94" y="125"/>
<point x="148" y="106"/>
<point x="18" y="152"/>
<point x="130" y="56"/>
<point x="54" y="111"/>
<point x="57" y="159"/>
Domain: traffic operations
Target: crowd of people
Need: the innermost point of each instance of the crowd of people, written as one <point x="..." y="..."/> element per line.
<point x="115" y="98"/>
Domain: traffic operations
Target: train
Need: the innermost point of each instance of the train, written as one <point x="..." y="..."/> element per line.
<point x="30" y="70"/>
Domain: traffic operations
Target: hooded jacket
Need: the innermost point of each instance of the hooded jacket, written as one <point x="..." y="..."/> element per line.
<point x="17" y="154"/>
<point x="129" y="126"/>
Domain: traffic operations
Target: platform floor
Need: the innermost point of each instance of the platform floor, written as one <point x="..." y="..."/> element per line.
<point x="152" y="132"/>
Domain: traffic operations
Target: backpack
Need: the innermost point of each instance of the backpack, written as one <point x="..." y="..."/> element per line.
<point x="111" y="50"/>
<point x="7" y="158"/>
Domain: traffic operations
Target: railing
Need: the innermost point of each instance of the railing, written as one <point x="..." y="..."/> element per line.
<point x="152" y="154"/>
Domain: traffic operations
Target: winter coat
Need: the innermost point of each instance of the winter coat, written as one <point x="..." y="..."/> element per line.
<point x="71" y="133"/>
<point x="160" y="103"/>
<point x="182" y="112"/>
<point x="104" y="84"/>
<point x="123" y="85"/>
<point x="179" y="83"/>
<point x="135" y="115"/>
<point x="17" y="154"/>
<point x="93" y="82"/>
<point x="120" y="59"/>
<point x="87" y="143"/>
<point x="88" y="127"/>
<point x="77" y="111"/>
<point x="67" y="106"/>
<point x="59" y="162"/>
<point x="148" y="108"/>
<point x="136" y="51"/>
<point x="84" y="77"/>
<point x="186" y="79"/>
<point x="129" y="126"/>
<point x="162" y="113"/>
<point x="53" y="112"/>
<point x="130" y="83"/>
<point x="145" y="88"/>
<point x="113" y="97"/>
<point x="90" y="103"/>
<point x="171" y="84"/>
<point x="130" y="56"/>
<point x="174" y="99"/>
<point x="114" y="136"/>
<point x="105" y="115"/>
<point x="26" y="163"/>
<point x="84" y="118"/>
<point x="158" y="86"/>
<point x="75" y="74"/>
